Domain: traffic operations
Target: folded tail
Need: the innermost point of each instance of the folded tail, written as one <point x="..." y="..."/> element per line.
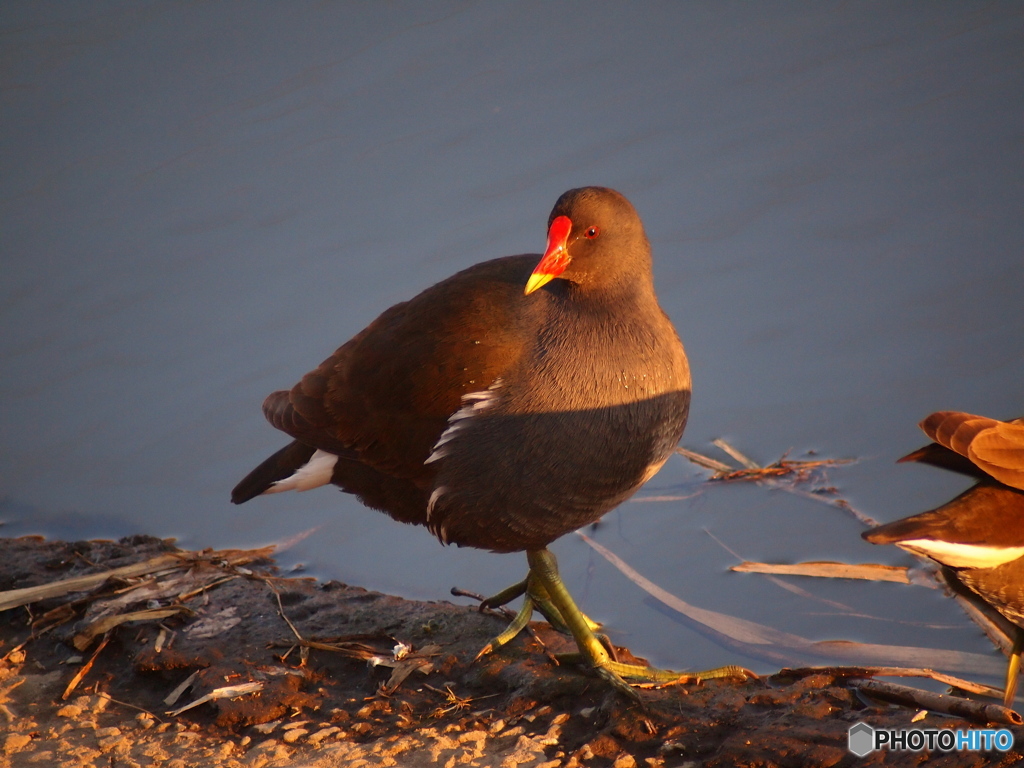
<point x="284" y="464"/>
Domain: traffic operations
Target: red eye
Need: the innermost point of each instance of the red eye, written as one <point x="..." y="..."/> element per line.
<point x="591" y="233"/>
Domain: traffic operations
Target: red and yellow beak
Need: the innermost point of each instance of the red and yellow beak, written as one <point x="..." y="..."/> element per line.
<point x="556" y="255"/>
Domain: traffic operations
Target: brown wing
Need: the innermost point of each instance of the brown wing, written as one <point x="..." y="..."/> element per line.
<point x="996" y="447"/>
<point x="385" y="397"/>
<point x="954" y="429"/>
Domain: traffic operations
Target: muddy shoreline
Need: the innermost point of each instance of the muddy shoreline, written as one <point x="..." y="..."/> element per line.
<point x="341" y="698"/>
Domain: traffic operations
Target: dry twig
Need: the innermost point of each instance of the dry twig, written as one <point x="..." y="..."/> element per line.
<point x="937" y="702"/>
<point x="227" y="692"/>
<point x="830" y="570"/>
<point x="85" y="667"/>
<point x="784" y="474"/>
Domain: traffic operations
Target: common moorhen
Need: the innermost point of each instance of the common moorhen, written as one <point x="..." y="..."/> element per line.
<point x="501" y="408"/>
<point x="980" y="533"/>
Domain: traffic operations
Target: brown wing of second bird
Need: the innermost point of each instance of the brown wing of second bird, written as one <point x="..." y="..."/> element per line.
<point x="996" y="447"/>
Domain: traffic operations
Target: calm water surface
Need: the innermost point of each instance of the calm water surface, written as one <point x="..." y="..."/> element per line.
<point x="198" y="203"/>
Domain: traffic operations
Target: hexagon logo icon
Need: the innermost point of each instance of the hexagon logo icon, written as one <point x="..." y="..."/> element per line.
<point x="861" y="739"/>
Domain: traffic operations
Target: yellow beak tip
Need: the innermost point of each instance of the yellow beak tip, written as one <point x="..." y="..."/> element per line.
<point x="537" y="280"/>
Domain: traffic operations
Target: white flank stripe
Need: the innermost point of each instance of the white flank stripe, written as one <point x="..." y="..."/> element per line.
<point x="962" y="555"/>
<point x="314" y="473"/>
<point x="433" y="500"/>
<point x="446" y="437"/>
<point x="472" y="404"/>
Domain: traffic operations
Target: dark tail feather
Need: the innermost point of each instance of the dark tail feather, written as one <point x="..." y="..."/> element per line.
<point x="279" y="466"/>
<point x="942" y="457"/>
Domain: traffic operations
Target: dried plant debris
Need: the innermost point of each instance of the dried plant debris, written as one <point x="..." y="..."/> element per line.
<point x="269" y="671"/>
<point x="103" y="625"/>
<point x="129" y="578"/>
<point x="224" y="692"/>
<point x="790" y="475"/>
<point x="759" y="641"/>
<point x="797" y="471"/>
<point x="936" y="702"/>
<point x="402" y="659"/>
<point x="855" y="672"/>
<point x="829" y="570"/>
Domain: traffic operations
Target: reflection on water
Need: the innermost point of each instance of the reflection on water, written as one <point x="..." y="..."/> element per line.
<point x="195" y="205"/>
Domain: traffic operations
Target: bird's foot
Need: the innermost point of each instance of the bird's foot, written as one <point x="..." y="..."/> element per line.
<point x="595" y="650"/>
<point x="542" y="590"/>
<point x="518" y="623"/>
<point x="626" y="678"/>
<point x="653" y="676"/>
<point x="535" y="597"/>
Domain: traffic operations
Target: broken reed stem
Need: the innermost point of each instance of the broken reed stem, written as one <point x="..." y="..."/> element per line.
<point x="828" y="570"/>
<point x="107" y="696"/>
<point x="206" y="587"/>
<point x="735" y="454"/>
<point x="704" y="461"/>
<point x="847" y="672"/>
<point x="85" y="667"/>
<point x="318" y="646"/>
<point x="937" y="702"/>
<point x="179" y="689"/>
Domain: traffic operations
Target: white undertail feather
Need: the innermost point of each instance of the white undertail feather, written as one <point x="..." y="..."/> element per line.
<point x="962" y="555"/>
<point x="314" y="473"/>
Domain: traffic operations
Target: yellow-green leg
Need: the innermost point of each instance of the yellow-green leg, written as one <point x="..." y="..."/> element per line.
<point x="1013" y="669"/>
<point x="545" y="568"/>
<point x="535" y="597"/>
<point x="538" y="598"/>
<point x="544" y="590"/>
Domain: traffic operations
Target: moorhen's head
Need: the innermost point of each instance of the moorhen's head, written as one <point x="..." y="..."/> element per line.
<point x="596" y="241"/>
